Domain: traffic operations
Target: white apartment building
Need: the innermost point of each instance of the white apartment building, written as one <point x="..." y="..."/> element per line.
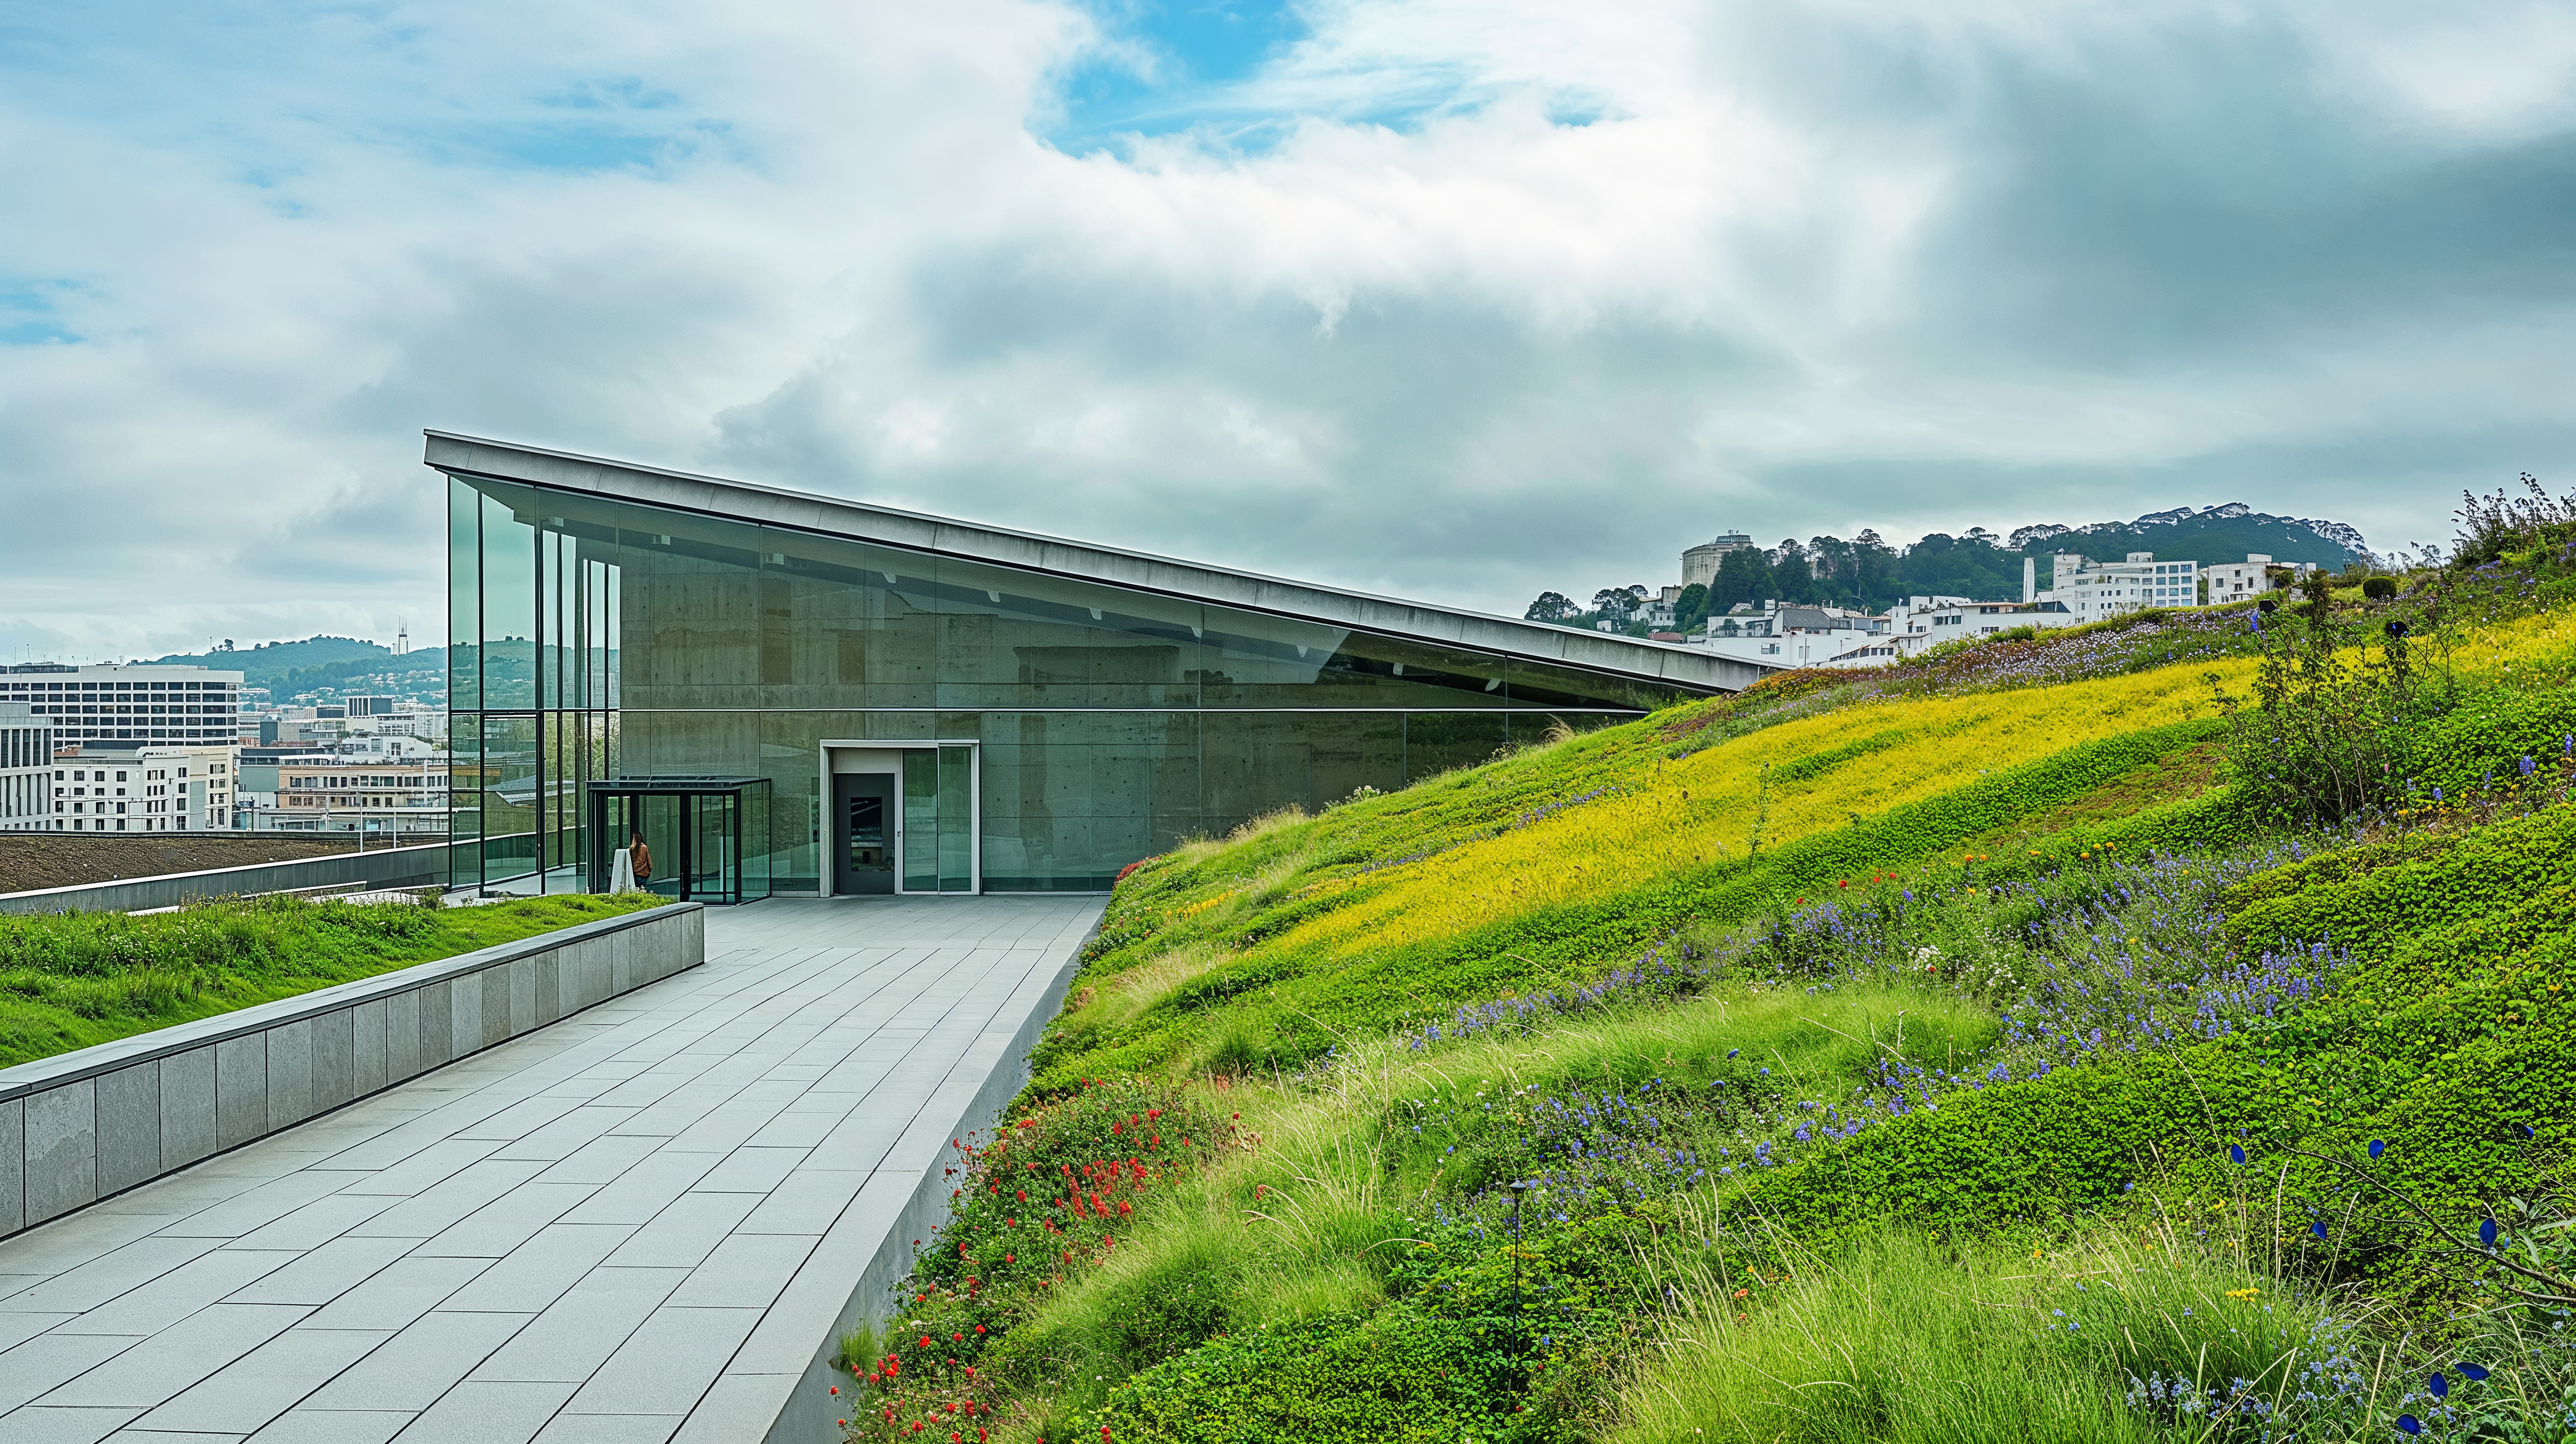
<point x="2236" y="581"/>
<point x="1789" y="635"/>
<point x="2094" y="590"/>
<point x="26" y="770"/>
<point x="188" y="789"/>
<point x="111" y="706"/>
<point x="97" y="793"/>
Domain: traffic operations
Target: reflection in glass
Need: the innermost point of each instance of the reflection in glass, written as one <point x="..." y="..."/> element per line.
<point x="595" y="639"/>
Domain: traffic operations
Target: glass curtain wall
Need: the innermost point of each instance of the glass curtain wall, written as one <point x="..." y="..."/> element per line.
<point x="533" y="674"/>
<point x="1072" y="726"/>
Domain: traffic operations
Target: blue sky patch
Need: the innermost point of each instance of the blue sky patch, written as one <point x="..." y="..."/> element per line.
<point x="30" y="313"/>
<point x="1176" y="65"/>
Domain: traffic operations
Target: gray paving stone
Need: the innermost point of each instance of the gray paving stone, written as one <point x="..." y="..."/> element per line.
<point x="90" y="1284"/>
<point x="42" y="1424"/>
<point x="417" y="1365"/>
<point x="398" y="1293"/>
<point x="807" y="1201"/>
<point x="333" y="1426"/>
<point x="644" y="1190"/>
<point x="246" y="1394"/>
<point x="508" y="1221"/>
<point x="426" y="1214"/>
<point x="567" y="1134"/>
<point x="168" y="1362"/>
<point x="256" y="1207"/>
<point x="745" y="1271"/>
<point x="520" y="1118"/>
<point x="685" y="1232"/>
<point x="538" y="1272"/>
<point x="49" y="1361"/>
<point x="206" y="1279"/>
<point x="664" y="1366"/>
<point x="679" y="1123"/>
<point x="601" y="1160"/>
<point x="325" y="1273"/>
<point x="424" y="1158"/>
<point x="16" y="1328"/>
<point x="318" y="1222"/>
<point x="610" y="1429"/>
<point x="488" y="1412"/>
<point x="751" y="1170"/>
<point x="577" y="1333"/>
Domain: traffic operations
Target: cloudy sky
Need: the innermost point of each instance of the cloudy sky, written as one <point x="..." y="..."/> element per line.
<point x="1451" y="300"/>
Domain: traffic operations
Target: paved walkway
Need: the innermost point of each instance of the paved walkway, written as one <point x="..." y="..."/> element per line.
<point x="630" y="1221"/>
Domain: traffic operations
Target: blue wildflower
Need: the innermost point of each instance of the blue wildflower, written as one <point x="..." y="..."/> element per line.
<point x="2474" y="1371"/>
<point x="2409" y="1424"/>
<point x="2487" y="1232"/>
<point x="2439" y="1386"/>
<point x="2236" y="1152"/>
<point x="2378" y="1147"/>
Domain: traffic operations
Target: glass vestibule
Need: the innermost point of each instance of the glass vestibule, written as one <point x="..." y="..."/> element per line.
<point x="703" y="839"/>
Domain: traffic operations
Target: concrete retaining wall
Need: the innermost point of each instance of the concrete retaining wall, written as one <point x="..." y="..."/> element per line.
<point x="82" y="1126"/>
<point x="419" y="865"/>
<point x="997" y="1074"/>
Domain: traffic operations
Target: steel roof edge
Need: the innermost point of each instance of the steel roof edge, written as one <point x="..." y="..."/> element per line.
<point x="1141" y="571"/>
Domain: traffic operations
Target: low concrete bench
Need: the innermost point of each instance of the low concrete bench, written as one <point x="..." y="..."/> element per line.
<point x="85" y="1125"/>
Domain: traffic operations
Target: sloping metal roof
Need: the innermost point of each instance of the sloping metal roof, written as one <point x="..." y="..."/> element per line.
<point x="1685" y="667"/>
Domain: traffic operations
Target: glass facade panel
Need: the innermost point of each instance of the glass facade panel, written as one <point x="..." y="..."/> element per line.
<point x="920" y="843"/>
<point x="1052" y="729"/>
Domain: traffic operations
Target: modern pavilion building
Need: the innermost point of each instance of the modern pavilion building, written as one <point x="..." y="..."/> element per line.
<point x="790" y="693"/>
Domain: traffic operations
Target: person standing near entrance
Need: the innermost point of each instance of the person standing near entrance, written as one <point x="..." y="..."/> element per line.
<point x="643" y="857"/>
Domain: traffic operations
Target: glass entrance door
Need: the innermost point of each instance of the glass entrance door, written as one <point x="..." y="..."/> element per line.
<point x="938" y="842"/>
<point x="863" y="824"/>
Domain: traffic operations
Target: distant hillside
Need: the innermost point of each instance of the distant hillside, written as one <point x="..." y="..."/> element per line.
<point x="329" y="665"/>
<point x="2212" y="534"/>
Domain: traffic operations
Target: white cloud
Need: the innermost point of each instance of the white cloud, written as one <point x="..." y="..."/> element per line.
<point x="2081" y="261"/>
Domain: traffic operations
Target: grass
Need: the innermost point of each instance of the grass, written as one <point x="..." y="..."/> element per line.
<point x="70" y="980"/>
<point x="1826" y="1063"/>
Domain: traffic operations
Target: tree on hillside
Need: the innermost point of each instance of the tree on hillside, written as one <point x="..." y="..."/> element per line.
<point x="1971" y="566"/>
<point x="1614" y="603"/>
<point x="1690" y="610"/>
<point x="1791" y="573"/>
<point x="1551" y="607"/>
<point x="1742" y="576"/>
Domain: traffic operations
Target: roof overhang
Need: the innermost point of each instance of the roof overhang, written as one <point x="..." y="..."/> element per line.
<point x="1676" y="665"/>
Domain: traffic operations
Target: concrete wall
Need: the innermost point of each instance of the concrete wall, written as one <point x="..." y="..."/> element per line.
<point x="419" y="865"/>
<point x="82" y="1126"/>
